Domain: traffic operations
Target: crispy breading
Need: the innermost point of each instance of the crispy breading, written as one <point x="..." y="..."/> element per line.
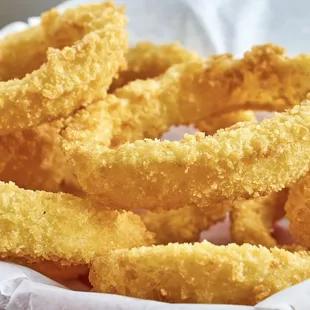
<point x="213" y="124"/>
<point x="199" y="273"/>
<point x="112" y="123"/>
<point x="22" y="53"/>
<point x="71" y="77"/>
<point x="252" y="221"/>
<point x="184" y="224"/>
<point x="192" y="92"/>
<point x="147" y="60"/>
<point x="40" y="226"/>
<point x="264" y="79"/>
<point x="33" y="159"/>
<point x="298" y="210"/>
<point x="198" y="170"/>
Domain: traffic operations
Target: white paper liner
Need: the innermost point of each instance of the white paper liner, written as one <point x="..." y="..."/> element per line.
<point x="22" y="288"/>
<point x="214" y="26"/>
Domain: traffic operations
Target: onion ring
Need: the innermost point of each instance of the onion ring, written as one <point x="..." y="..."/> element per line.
<point x="198" y="170"/>
<point x="199" y="273"/>
<point x="147" y="60"/>
<point x="212" y="125"/>
<point x="298" y="210"/>
<point x="71" y="77"/>
<point x="265" y="79"/>
<point x="18" y="55"/>
<point x="163" y="175"/>
<point x="252" y="220"/>
<point x="166" y="102"/>
<point x="184" y="224"/>
<point x="112" y="123"/>
<point x="40" y="226"/>
<point x="33" y="159"/>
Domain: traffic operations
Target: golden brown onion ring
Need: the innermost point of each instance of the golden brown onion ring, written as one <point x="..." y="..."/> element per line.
<point x="38" y="226"/>
<point x="147" y="60"/>
<point x="184" y="224"/>
<point x="200" y="171"/>
<point x="22" y="53"/>
<point x="252" y="221"/>
<point x="33" y="159"/>
<point x="298" y="210"/>
<point x="212" y="125"/>
<point x="199" y="273"/>
<point x="71" y="77"/>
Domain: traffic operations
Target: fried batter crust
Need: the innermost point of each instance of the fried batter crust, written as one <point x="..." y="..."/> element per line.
<point x="71" y="77"/>
<point x="198" y="170"/>
<point x="40" y="226"/>
<point x="199" y="273"/>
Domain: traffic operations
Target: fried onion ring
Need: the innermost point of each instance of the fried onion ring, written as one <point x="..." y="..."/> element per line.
<point x="15" y="64"/>
<point x="147" y="60"/>
<point x="33" y="159"/>
<point x="150" y="107"/>
<point x="212" y="125"/>
<point x="71" y="77"/>
<point x="265" y="79"/>
<point x="198" y="170"/>
<point x="298" y="210"/>
<point x="163" y="175"/>
<point x="252" y="220"/>
<point x="114" y="124"/>
<point x="184" y="224"/>
<point x="199" y="273"/>
<point x="60" y="227"/>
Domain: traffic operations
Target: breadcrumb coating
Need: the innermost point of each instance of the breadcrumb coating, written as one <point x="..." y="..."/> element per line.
<point x="252" y="220"/>
<point x="298" y="210"/>
<point x="192" y="92"/>
<point x="200" y="171"/>
<point x="33" y="159"/>
<point x="71" y="77"/>
<point x="264" y="79"/>
<point x="22" y="53"/>
<point x="213" y="124"/>
<point x="40" y="226"/>
<point x="111" y="123"/>
<point x="199" y="273"/>
<point x="196" y="91"/>
<point x="184" y="224"/>
<point x="147" y="60"/>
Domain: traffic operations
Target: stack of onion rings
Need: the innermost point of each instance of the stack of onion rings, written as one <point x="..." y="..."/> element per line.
<point x="71" y="77"/>
<point x="58" y="121"/>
